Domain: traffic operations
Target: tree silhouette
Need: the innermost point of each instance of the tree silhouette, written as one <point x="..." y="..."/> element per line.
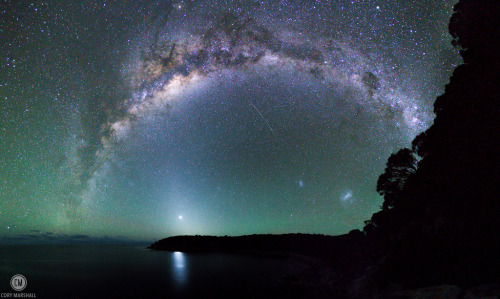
<point x="390" y="184"/>
<point x="440" y="220"/>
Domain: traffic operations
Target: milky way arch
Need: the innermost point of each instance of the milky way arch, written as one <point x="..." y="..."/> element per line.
<point x="185" y="48"/>
<point x="172" y="62"/>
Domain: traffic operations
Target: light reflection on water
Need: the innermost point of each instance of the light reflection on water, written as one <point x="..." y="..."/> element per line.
<point x="179" y="268"/>
<point x="127" y="271"/>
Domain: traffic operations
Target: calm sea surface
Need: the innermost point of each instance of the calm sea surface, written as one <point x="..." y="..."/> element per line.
<point x="126" y="271"/>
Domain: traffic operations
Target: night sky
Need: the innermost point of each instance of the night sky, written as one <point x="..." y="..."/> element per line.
<point x="145" y="119"/>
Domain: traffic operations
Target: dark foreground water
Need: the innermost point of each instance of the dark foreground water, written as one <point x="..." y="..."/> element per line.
<point x="125" y="271"/>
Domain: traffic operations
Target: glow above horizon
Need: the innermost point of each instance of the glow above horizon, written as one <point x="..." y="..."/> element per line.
<point x="198" y="118"/>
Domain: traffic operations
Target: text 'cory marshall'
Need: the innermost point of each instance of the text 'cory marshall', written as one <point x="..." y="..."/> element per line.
<point x="18" y="295"/>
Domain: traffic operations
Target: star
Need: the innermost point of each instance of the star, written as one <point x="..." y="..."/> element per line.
<point x="223" y="109"/>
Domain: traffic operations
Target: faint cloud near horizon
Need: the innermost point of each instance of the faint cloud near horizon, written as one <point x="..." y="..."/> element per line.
<point x="48" y="237"/>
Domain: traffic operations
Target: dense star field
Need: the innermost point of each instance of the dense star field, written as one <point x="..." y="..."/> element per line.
<point x="144" y="119"/>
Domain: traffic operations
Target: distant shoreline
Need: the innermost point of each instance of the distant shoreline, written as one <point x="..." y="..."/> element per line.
<point x="257" y="243"/>
<point x="326" y="263"/>
<point x="331" y="249"/>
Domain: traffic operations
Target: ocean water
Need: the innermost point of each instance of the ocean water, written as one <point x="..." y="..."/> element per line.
<point x="129" y="271"/>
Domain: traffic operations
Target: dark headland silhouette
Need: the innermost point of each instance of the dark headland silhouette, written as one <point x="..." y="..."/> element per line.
<point x="335" y="249"/>
<point x="438" y="232"/>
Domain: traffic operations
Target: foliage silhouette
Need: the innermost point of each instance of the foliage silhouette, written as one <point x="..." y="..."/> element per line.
<point x="399" y="167"/>
<point x="440" y="220"/>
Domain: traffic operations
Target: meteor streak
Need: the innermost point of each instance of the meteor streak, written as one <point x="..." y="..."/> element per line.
<point x="262" y="116"/>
